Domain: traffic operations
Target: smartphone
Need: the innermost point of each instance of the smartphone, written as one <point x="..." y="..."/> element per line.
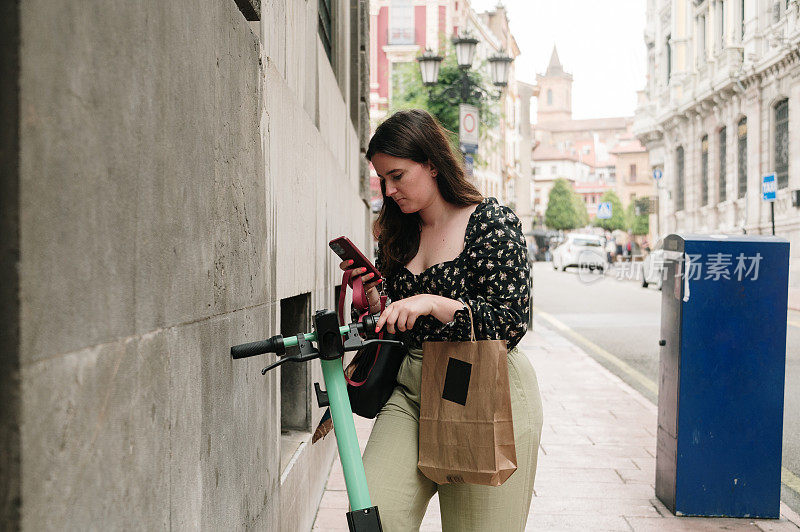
<point x="348" y="251"/>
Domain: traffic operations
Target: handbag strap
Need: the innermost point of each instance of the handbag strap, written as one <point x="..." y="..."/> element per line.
<point x="356" y="384"/>
<point x="360" y="300"/>
<point x="471" y="322"/>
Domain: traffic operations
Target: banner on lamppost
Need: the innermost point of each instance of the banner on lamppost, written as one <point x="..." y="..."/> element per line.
<point x="468" y="128"/>
<point x="469" y="165"/>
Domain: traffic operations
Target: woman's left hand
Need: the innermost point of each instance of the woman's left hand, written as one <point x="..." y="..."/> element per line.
<point x="402" y="314"/>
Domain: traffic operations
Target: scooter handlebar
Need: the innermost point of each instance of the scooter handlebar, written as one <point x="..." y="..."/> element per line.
<point x="270" y="345"/>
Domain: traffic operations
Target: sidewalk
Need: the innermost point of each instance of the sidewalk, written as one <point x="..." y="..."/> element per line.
<point x="597" y="458"/>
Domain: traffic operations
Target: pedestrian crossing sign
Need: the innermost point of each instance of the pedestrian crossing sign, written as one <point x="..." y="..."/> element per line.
<point x="604" y="210"/>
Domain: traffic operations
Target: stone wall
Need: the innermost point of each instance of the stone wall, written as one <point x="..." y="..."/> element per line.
<point x="180" y="172"/>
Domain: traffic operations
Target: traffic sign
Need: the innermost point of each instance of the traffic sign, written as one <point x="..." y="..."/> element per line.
<point x="769" y="187"/>
<point x="468" y="128"/>
<point x="658" y="174"/>
<point x="604" y="210"/>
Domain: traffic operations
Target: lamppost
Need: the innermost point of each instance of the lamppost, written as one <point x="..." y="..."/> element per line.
<point x="464" y="89"/>
<point x="465" y="46"/>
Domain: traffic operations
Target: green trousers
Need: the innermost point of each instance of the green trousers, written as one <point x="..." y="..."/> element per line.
<point x="401" y="492"/>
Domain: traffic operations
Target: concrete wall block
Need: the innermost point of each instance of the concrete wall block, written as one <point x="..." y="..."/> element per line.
<point x="365" y="191"/>
<point x="293" y="162"/>
<point x="304" y="484"/>
<point x="238" y="462"/>
<point x="106" y="150"/>
<point x="274" y="21"/>
<point x="310" y="84"/>
<point x="332" y="110"/>
<point x="200" y="219"/>
<point x="96" y="437"/>
<point x="77" y="162"/>
<point x="363" y="126"/>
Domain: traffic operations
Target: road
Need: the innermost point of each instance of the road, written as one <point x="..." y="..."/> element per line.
<point x="618" y="323"/>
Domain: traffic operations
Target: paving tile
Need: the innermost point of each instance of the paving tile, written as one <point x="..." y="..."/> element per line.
<point x="582" y="523"/>
<point x="599" y="450"/>
<point x="596" y="490"/>
<point x="330" y="519"/>
<point x="689" y="524"/>
<point x="334" y="499"/>
<point x="777" y="525"/>
<point x="568" y="475"/>
<point x="586" y="506"/>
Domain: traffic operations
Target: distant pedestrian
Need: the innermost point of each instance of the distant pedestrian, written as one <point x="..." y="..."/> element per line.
<point x="611" y="246"/>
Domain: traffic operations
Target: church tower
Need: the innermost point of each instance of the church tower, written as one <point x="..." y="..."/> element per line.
<point x="555" y="93"/>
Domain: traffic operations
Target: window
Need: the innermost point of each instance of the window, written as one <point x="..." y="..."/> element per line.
<point x="778" y="10"/>
<point x="295" y="381"/>
<point x="782" y="143"/>
<point x="704" y="171"/>
<point x="401" y="22"/>
<point x="741" y="20"/>
<point x="554" y="170"/>
<point x="633" y="172"/>
<point x="669" y="57"/>
<point x="723" y="153"/>
<point x="720" y="25"/>
<point x="679" y="184"/>
<point x="549" y="97"/>
<point x="741" y="149"/>
<point x="701" y="40"/>
<point x="324" y="27"/>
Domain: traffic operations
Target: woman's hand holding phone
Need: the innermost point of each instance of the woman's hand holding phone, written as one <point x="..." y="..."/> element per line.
<point x="370" y="286"/>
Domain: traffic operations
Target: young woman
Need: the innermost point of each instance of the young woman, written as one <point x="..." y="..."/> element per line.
<point x="441" y="245"/>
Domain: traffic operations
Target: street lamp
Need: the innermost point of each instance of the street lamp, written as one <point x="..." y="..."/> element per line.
<point x="465" y="46"/>
<point x="499" y="64"/>
<point x="429" y="64"/>
<point x="465" y="50"/>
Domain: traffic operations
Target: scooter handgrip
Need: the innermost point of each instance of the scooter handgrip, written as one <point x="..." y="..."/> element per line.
<point x="270" y="345"/>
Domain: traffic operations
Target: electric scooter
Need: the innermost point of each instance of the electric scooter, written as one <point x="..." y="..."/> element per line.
<point x="362" y="517"/>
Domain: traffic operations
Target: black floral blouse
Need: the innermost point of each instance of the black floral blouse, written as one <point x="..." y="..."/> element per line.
<point x="490" y="274"/>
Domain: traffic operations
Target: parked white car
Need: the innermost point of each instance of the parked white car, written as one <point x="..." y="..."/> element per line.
<point x="581" y="250"/>
<point x="653" y="267"/>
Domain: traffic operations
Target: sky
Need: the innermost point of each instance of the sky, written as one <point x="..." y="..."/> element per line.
<point x="600" y="42"/>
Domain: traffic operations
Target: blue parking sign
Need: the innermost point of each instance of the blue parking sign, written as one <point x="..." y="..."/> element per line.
<point x="769" y="187"/>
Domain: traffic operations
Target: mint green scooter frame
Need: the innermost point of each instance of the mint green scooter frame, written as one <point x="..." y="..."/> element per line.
<point x="342" y="414"/>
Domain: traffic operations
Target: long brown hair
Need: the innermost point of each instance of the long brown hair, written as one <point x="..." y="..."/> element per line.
<point x="414" y="134"/>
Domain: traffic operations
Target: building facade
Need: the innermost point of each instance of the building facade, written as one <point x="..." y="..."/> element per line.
<point x="401" y="30"/>
<point x="720" y="110"/>
<point x="172" y="173"/>
<point x="595" y="154"/>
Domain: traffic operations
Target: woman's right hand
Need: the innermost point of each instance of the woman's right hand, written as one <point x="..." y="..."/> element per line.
<point x="370" y="285"/>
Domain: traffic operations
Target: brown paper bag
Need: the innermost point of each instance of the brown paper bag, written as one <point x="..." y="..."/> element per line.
<point x="465" y="429"/>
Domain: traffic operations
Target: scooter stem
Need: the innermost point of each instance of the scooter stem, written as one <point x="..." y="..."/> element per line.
<point x="346" y="439"/>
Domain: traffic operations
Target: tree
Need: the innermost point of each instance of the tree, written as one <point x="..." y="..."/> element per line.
<point x="408" y="92"/>
<point x="565" y="210"/>
<point x="637" y="216"/>
<point x="582" y="215"/>
<point x="617" y="220"/>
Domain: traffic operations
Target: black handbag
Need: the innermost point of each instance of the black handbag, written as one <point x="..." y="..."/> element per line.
<point x="372" y="374"/>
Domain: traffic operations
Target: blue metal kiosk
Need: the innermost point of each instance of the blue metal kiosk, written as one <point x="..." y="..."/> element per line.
<point x="722" y="369"/>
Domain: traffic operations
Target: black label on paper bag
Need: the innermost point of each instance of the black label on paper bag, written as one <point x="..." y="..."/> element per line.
<point x="456" y="381"/>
